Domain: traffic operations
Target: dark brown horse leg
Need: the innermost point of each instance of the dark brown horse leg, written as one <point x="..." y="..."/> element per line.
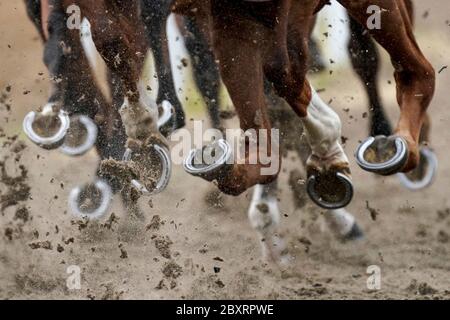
<point x="365" y="60"/>
<point x="206" y="71"/>
<point x="415" y="79"/>
<point x="120" y="38"/>
<point x="154" y="15"/>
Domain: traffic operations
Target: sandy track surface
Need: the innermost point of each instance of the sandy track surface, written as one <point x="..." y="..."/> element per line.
<point x="190" y="248"/>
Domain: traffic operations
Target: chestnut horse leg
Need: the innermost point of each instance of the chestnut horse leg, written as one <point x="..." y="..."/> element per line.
<point x="366" y="62"/>
<point x="240" y="58"/>
<point x="243" y="58"/>
<point x="415" y="79"/>
<point x="328" y="170"/>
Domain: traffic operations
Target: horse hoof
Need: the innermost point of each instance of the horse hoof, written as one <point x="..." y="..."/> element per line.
<point x="331" y="191"/>
<point x="423" y="176"/>
<point x="81" y="136"/>
<point x="47" y="129"/>
<point x="158" y="162"/>
<point x="209" y="162"/>
<point x="166" y="111"/>
<point x="354" y="234"/>
<point x="90" y="201"/>
<point x="382" y="155"/>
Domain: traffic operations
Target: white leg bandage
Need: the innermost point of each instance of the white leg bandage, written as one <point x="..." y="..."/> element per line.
<point x="322" y="128"/>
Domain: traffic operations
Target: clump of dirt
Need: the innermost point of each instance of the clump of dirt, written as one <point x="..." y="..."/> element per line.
<point x="111" y="293"/>
<point x="23" y="214"/>
<point x="122" y="170"/>
<point x="144" y="166"/>
<point x="27" y="283"/>
<point x="123" y="252"/>
<point x="155" y="224"/>
<point x="18" y="190"/>
<point x="423" y="288"/>
<point x="443" y="214"/>
<point x="172" y="270"/>
<point x="373" y="212"/>
<point x="113" y="219"/>
<point x="214" y="199"/>
<point x="443" y="237"/>
<point x="163" y="245"/>
<point x="47" y="245"/>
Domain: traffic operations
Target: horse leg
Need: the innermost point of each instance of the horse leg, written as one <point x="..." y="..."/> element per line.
<point x="48" y="127"/>
<point x="264" y="215"/>
<point x="154" y="15"/>
<point x="122" y="43"/>
<point x="329" y="183"/>
<point x="206" y="72"/>
<point x="415" y="79"/>
<point x="240" y="54"/>
<point x="316" y="62"/>
<point x="366" y="61"/>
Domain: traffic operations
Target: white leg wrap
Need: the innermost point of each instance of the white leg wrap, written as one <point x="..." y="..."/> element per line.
<point x="323" y="128"/>
<point x="264" y="216"/>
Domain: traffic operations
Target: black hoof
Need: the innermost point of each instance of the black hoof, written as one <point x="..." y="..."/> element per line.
<point x="81" y="136"/>
<point x="210" y="162"/>
<point x="382" y="155"/>
<point x="90" y="201"/>
<point x="155" y="166"/>
<point x="423" y="176"/>
<point x="355" y="234"/>
<point x="47" y="129"/>
<point x="330" y="190"/>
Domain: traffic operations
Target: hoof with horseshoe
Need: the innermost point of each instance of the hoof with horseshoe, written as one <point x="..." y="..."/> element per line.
<point x="330" y="189"/>
<point x="382" y="155"/>
<point x="48" y="128"/>
<point x="90" y="201"/>
<point x="210" y="162"/>
<point x="423" y="176"/>
<point x="152" y="167"/>
<point x="81" y="136"/>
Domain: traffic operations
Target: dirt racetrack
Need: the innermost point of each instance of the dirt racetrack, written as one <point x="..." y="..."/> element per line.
<point x="189" y="248"/>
